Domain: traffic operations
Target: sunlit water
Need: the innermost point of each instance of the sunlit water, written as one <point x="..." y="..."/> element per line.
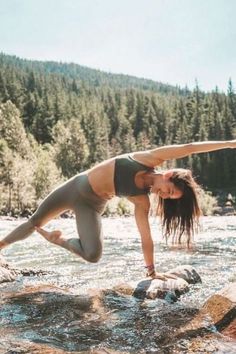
<point x="132" y="326"/>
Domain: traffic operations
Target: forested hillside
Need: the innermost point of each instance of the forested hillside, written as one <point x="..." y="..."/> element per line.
<point x="58" y="119"/>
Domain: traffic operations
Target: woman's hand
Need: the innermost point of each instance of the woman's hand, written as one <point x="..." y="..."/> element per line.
<point x="232" y="144"/>
<point x="162" y="276"/>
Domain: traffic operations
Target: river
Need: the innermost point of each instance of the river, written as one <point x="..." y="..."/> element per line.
<point x="213" y="256"/>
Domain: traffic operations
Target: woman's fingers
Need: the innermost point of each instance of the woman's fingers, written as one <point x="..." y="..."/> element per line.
<point x="233" y="144"/>
<point x="164" y="276"/>
<point x="160" y="276"/>
<point x="171" y="276"/>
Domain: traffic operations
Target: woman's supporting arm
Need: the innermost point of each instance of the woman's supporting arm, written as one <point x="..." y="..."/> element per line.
<point x="170" y="152"/>
<point x="141" y="217"/>
<point x="141" y="213"/>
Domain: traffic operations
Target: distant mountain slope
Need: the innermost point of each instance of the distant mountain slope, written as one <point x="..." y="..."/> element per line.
<point x="93" y="77"/>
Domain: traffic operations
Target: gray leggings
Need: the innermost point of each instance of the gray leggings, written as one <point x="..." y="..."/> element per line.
<point x="76" y="194"/>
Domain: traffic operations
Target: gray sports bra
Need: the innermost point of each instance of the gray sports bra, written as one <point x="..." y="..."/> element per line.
<point x="125" y="170"/>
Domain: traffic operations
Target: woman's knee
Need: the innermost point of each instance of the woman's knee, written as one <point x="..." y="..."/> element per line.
<point x="93" y="256"/>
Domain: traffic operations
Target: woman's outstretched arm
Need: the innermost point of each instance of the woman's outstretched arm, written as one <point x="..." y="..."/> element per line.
<point x="170" y="152"/>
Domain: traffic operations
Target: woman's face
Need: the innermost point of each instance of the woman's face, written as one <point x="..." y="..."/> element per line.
<point x="166" y="189"/>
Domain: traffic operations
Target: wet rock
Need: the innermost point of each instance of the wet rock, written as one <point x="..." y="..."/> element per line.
<point x="213" y="343"/>
<point x="221" y="308"/>
<point x="218" y="313"/>
<point x="186" y="272"/>
<point x="25" y="347"/>
<point x="225" y="210"/>
<point x="9" y="273"/>
<point x="169" y="289"/>
<point x="52" y="316"/>
<point x="106" y="351"/>
<point x="230" y="330"/>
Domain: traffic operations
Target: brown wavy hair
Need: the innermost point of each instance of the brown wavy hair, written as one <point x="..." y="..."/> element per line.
<point x="180" y="216"/>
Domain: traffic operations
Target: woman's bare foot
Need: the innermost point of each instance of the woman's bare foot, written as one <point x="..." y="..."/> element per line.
<point x="54" y="236"/>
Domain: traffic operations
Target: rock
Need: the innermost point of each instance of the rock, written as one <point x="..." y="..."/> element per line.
<point x="221" y="308"/>
<point x="25" y="347"/>
<point x="161" y="289"/>
<point x="8" y="273"/>
<point x="224" y="210"/>
<point x="3" y="262"/>
<point x="218" y="313"/>
<point x="170" y="289"/>
<point x="186" y="272"/>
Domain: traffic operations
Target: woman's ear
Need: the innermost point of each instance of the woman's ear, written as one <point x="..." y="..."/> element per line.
<point x="168" y="174"/>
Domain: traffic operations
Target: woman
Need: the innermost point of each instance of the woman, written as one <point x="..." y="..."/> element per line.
<point x="132" y="176"/>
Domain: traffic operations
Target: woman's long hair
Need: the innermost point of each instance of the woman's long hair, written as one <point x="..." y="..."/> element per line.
<point x="180" y="216"/>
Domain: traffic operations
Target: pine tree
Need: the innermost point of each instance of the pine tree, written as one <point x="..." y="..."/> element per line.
<point x="71" y="150"/>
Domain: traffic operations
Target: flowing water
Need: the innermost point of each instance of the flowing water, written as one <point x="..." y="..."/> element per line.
<point x="120" y="323"/>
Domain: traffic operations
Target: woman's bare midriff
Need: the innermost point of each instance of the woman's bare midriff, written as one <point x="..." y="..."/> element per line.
<point x="101" y="179"/>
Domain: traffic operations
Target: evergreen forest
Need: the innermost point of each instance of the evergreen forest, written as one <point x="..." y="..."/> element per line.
<point x="58" y="119"/>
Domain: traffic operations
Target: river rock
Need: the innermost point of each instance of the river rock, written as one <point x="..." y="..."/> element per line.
<point x="26" y="347"/>
<point x="169" y="289"/>
<point x="218" y="313"/>
<point x="186" y="272"/>
<point x="221" y="308"/>
<point x="7" y="273"/>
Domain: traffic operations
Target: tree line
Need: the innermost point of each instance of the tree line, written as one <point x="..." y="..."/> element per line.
<point x="58" y="119"/>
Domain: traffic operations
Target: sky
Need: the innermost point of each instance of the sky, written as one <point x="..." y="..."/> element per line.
<point x="170" y="41"/>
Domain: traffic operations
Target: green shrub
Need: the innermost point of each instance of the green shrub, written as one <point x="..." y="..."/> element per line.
<point x="208" y="203"/>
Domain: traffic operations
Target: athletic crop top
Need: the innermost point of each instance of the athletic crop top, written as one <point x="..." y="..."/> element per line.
<point x="125" y="170"/>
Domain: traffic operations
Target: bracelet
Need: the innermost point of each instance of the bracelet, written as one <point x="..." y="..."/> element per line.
<point x="150" y="270"/>
<point x="150" y="267"/>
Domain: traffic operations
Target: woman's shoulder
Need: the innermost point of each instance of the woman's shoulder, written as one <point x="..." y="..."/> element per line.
<point x="146" y="158"/>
